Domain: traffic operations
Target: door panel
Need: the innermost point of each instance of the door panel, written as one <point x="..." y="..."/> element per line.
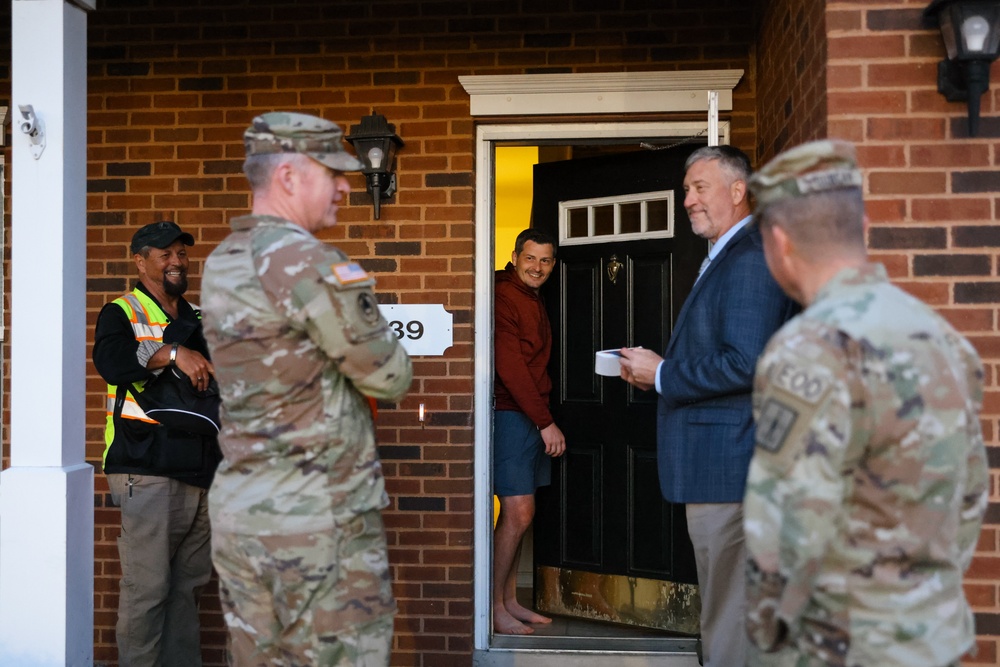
<point x="650" y="279"/>
<point x="581" y="508"/>
<point x="582" y="295"/>
<point x="602" y="529"/>
<point x="651" y="527"/>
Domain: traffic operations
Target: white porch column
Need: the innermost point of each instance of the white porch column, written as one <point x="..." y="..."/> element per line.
<point x="47" y="495"/>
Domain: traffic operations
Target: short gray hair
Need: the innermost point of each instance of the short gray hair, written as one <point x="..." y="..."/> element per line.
<point x="820" y="223"/>
<point x="259" y="168"/>
<point x="732" y="161"/>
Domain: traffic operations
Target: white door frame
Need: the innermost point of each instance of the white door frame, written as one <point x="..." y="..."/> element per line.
<point x="487" y="137"/>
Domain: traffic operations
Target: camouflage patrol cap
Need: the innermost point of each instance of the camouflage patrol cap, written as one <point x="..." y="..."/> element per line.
<point x="290" y="132"/>
<point x="817" y="166"/>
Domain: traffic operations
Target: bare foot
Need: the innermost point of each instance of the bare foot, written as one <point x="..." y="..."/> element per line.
<point x="526" y="615"/>
<point x="505" y="624"/>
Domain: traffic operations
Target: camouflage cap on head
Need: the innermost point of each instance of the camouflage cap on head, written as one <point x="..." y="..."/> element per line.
<point x="290" y="132"/>
<point x="829" y="164"/>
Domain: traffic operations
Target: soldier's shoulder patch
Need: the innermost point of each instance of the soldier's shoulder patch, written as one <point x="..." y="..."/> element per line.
<point x="800" y="380"/>
<point x="368" y="307"/>
<point x="774" y="424"/>
<point x="348" y="273"/>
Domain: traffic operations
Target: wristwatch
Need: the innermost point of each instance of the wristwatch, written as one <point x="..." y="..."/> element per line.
<point x="173" y="354"/>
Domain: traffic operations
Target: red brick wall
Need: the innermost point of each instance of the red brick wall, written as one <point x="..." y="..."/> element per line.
<point x="173" y="84"/>
<point x="791" y="76"/>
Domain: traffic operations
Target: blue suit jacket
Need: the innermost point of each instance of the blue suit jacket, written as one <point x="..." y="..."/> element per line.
<point x="705" y="430"/>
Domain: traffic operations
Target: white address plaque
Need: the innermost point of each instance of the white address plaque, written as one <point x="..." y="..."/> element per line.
<point x="422" y="329"/>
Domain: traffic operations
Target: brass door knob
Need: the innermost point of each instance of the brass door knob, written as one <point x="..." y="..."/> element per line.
<point x="614" y="266"/>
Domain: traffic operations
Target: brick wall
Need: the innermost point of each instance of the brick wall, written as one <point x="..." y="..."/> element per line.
<point x="791" y="74"/>
<point x="172" y="85"/>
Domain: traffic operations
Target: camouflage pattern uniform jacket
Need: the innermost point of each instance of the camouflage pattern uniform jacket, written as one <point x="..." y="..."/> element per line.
<point x="297" y="342"/>
<point x="868" y="482"/>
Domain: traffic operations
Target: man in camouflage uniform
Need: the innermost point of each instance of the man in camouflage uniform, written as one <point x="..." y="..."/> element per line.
<point x="299" y="346"/>
<point x="869" y="479"/>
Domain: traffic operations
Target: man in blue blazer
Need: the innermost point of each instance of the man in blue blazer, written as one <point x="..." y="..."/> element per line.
<point x="705" y="430"/>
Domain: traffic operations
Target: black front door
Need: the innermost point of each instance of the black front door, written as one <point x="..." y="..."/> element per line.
<point x="607" y="546"/>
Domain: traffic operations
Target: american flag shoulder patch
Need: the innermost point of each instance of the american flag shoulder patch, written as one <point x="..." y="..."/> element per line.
<point x="348" y="272"/>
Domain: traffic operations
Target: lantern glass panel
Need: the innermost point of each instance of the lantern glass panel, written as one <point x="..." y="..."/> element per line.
<point x="948" y="33"/>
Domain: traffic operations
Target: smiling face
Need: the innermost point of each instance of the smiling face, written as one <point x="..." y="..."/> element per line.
<point x="164" y="270"/>
<point x="534" y="263"/>
<point x="711" y="199"/>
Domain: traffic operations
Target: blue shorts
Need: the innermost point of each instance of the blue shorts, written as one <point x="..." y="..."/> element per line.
<point x="520" y="464"/>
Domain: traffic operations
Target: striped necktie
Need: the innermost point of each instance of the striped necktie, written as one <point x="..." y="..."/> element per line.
<point x="704" y="265"/>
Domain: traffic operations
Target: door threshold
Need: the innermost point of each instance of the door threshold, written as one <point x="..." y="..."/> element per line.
<point x="584" y="644"/>
<point x="567" y="657"/>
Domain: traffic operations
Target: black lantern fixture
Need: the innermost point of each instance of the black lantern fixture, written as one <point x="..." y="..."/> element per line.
<point x="971" y="31"/>
<point x="375" y="142"/>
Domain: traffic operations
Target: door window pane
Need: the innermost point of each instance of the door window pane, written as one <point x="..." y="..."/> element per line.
<point x="631" y="217"/>
<point x="604" y="220"/>
<point x="578" y="223"/>
<point x="657" y="215"/>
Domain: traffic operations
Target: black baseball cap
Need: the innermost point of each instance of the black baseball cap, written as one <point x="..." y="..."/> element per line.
<point x="159" y="235"/>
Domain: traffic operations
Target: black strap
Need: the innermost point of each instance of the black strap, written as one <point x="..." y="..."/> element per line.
<point x="120" y="393"/>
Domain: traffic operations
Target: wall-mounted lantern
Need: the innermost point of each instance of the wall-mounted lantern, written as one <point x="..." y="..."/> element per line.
<point x="971" y="31"/>
<point x="375" y="142"/>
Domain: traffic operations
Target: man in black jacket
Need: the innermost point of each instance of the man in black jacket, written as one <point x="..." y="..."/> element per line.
<point x="157" y="475"/>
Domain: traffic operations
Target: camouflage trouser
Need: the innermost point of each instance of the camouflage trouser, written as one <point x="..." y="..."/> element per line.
<point x="321" y="598"/>
<point x="792" y="657"/>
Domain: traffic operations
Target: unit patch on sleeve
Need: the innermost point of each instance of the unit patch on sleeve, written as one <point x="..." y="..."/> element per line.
<point x="368" y="307"/>
<point x="775" y="422"/>
<point x="348" y="272"/>
<point x="804" y="383"/>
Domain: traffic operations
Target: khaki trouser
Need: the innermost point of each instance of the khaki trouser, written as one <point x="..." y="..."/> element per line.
<point x="321" y="598"/>
<point x="716" y="531"/>
<point x="166" y="560"/>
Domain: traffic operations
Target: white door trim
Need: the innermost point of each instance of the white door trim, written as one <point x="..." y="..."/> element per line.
<point x="487" y="137"/>
<point x="599" y="92"/>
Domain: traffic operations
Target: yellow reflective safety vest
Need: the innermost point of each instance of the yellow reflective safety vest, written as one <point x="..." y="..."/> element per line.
<point x="148" y="322"/>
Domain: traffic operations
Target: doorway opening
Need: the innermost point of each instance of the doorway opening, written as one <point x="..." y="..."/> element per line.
<point x="551" y="143"/>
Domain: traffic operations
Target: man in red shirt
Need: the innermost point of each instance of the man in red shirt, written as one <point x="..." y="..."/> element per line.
<point x="524" y="433"/>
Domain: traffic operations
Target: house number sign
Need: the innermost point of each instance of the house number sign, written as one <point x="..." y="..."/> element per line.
<point x="422" y="329"/>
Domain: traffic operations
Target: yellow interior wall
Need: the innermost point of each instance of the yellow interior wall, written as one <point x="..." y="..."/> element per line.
<point x="513" y="197"/>
<point x="513" y="210"/>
